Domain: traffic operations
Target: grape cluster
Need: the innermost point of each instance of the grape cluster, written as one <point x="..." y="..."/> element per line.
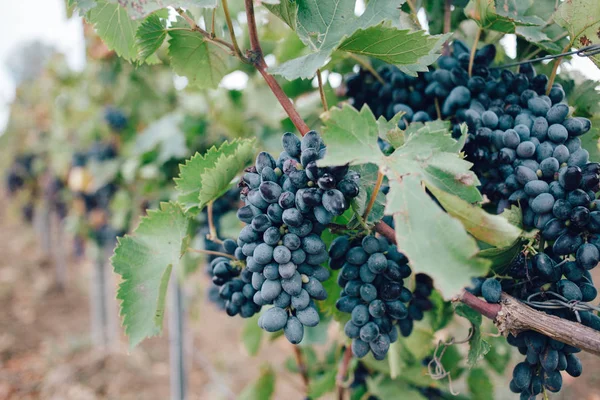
<point x="288" y="203"/>
<point x="235" y="284"/>
<point x="372" y="274"/>
<point x="526" y="150"/>
<point x="443" y="92"/>
<point x="115" y="118"/>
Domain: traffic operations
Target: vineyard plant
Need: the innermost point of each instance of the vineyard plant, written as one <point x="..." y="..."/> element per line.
<point x="406" y="191"/>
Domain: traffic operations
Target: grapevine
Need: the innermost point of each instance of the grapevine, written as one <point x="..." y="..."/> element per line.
<point x="442" y="182"/>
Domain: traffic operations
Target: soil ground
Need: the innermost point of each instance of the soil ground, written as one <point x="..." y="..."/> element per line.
<point x="46" y="353"/>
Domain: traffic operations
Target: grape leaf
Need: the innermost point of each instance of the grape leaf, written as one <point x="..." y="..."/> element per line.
<point x="203" y="63"/>
<point x="428" y="155"/>
<point x="477" y="346"/>
<point x="165" y="134"/>
<point x="585" y="97"/>
<point x="351" y="136"/>
<point x="386" y="388"/>
<point x="141" y="8"/>
<point x="286" y="10"/>
<point x="145" y="260"/>
<point x="491" y="229"/>
<point x="81" y="6"/>
<point x="402" y="47"/>
<point x="422" y="64"/>
<point x="324" y="25"/>
<point x="368" y="178"/>
<point x="434" y="242"/>
<point x="480" y="384"/>
<point x="115" y="28"/>
<point x="204" y="178"/>
<point x="581" y="18"/>
<point x="262" y="389"/>
<point x="252" y="335"/>
<point x="150" y="36"/>
<point x="485" y="14"/>
<point x="322" y="384"/>
<point x="591" y="141"/>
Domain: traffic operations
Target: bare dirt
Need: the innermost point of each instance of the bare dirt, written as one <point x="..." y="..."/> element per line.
<point x="46" y="352"/>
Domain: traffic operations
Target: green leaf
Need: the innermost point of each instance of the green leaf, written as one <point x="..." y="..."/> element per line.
<point x="115" y="28"/>
<point x="402" y="47"/>
<point x="485" y="14"/>
<point x="324" y="25"/>
<point x="351" y="136"/>
<point x="262" y="389"/>
<point x="434" y="242"/>
<point x="499" y="355"/>
<point x="166" y="136"/>
<point x="581" y="18"/>
<point x="286" y="10"/>
<point x="368" y="178"/>
<point x="322" y="384"/>
<point x="491" y="229"/>
<point x="206" y="177"/>
<point x="585" y="98"/>
<point x="141" y="8"/>
<point x="501" y="257"/>
<point x="252" y="335"/>
<point x="386" y="388"/>
<point x="480" y="385"/>
<point x="145" y="260"/>
<point x="81" y="6"/>
<point x="203" y="63"/>
<point x="150" y="36"/>
<point x="591" y="141"/>
<point x="478" y="347"/>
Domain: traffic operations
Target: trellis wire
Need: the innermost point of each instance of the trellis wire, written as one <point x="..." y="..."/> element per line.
<point x="560" y="302"/>
<point x="587" y="51"/>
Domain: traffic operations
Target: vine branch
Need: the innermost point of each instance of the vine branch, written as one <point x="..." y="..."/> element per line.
<point x="512" y="316"/>
<point x="322" y="91"/>
<point x="211" y="252"/>
<point x="302" y="367"/>
<point x="474" y="50"/>
<point x="374" y="195"/>
<point x="234" y="42"/>
<point x="207" y="35"/>
<point x="342" y="372"/>
<point x="257" y="59"/>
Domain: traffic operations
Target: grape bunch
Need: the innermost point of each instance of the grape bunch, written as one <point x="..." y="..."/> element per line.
<point x="372" y="274"/>
<point x="235" y="284"/>
<point x="526" y="150"/>
<point x="288" y="203"/>
<point x="115" y="118"/>
<point x="443" y="92"/>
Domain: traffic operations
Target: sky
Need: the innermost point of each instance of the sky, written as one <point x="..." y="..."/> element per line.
<point x="27" y="20"/>
<point x="45" y="20"/>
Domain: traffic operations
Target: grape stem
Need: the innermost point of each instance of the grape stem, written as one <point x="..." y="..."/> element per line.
<point x="234" y="42"/>
<point x="474" y="50"/>
<point x="555" y="69"/>
<point x="322" y="91"/>
<point x="301" y="366"/>
<point x="413" y="13"/>
<point x="219" y="42"/>
<point x="342" y="372"/>
<point x="512" y="316"/>
<point x="211" y="252"/>
<point x="255" y="56"/>
<point x="212" y="231"/>
<point x="374" y="195"/>
<point x="366" y="65"/>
